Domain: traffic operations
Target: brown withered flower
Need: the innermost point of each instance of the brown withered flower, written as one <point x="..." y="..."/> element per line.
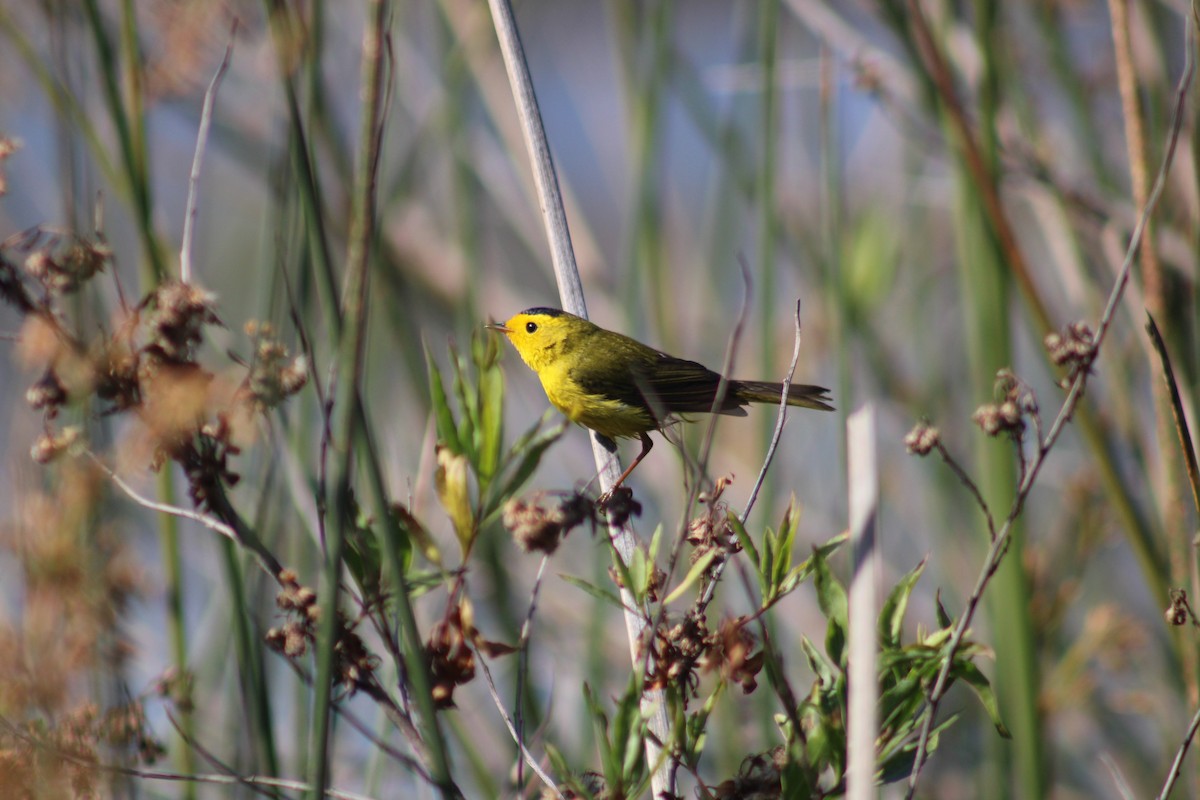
<point x="540" y="520"/>
<point x="451" y="661"/>
<point x="354" y="664"/>
<point x="179" y="312"/>
<point x="275" y="374"/>
<point x="710" y="529"/>
<point x="679" y="644"/>
<point x="1074" y="347"/>
<point x="731" y="651"/>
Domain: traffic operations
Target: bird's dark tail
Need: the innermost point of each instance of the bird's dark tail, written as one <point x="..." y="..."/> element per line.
<point x="799" y="394"/>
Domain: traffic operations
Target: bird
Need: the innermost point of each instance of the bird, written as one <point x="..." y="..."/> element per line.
<point x="620" y="388"/>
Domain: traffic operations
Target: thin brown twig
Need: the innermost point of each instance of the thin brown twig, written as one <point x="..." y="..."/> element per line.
<point x="525" y="754"/>
<point x="780" y="419"/>
<point x="523" y="662"/>
<point x="206" y="754"/>
<point x="972" y="487"/>
<point x="999" y="544"/>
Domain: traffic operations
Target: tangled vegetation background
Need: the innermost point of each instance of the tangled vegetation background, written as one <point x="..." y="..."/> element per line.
<point x="280" y="518"/>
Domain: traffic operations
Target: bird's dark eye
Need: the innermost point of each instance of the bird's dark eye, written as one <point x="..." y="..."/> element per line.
<point x="530" y="327"/>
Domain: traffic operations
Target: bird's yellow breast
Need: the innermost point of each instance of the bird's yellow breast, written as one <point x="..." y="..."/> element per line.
<point x="604" y="415"/>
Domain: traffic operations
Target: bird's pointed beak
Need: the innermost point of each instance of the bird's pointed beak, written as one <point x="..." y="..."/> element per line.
<point x="499" y="328"/>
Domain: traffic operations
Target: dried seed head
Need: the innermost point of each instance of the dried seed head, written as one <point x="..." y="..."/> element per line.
<point x="47" y="393"/>
<point x="50" y="446"/>
<point x="1074" y="348"/>
<point x="181" y="310"/>
<point x="995" y="419"/>
<point x="922" y="439"/>
<point x="539" y="520"/>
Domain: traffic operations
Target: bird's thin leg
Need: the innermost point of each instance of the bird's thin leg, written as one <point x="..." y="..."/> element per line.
<point x="647" y="443"/>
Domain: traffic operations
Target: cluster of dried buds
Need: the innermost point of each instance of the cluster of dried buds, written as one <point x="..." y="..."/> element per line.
<point x="683" y="646"/>
<point x="541" y="520"/>
<point x="147" y="365"/>
<point x="1008" y="415"/>
<point x="710" y="531"/>
<point x="922" y="439"/>
<point x="449" y="652"/>
<point x="1074" y="348"/>
<point x="354" y="665"/>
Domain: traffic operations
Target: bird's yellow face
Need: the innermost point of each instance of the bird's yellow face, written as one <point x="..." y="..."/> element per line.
<point x="542" y="336"/>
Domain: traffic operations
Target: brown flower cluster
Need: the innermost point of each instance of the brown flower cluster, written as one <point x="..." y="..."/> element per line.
<point x="685" y="645"/>
<point x="354" y="664"/>
<point x="1074" y="348"/>
<point x="541" y="520"/>
<point x="449" y="651"/>
<point x="1008" y="415"/>
<point x="146" y="365"/>
<point x="710" y="531"/>
<point x="275" y="374"/>
<point x="922" y="439"/>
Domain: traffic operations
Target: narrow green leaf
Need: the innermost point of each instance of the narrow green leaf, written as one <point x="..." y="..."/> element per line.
<point x="821" y="666"/>
<point x="804" y="569"/>
<point x="447" y="430"/>
<point x="491" y="424"/>
<point x="831" y="597"/>
<point x="891" y="616"/>
<point x="595" y="591"/>
<point x="944" y="619"/>
<point x="534" y="449"/>
<point x="414" y="532"/>
<point x="693" y="575"/>
<point x="743" y="537"/>
<point x="967" y="671"/>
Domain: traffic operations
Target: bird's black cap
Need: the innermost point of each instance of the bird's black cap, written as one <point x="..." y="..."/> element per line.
<point x="544" y="311"/>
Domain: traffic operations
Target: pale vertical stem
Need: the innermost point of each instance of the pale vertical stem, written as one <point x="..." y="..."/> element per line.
<point x="863" y="715"/>
<point x="570" y="290"/>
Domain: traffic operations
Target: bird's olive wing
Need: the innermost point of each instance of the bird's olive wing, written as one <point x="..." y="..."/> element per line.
<point x="658" y="383"/>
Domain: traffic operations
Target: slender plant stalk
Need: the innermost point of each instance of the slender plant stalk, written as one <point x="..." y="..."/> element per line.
<point x="571" y="292"/>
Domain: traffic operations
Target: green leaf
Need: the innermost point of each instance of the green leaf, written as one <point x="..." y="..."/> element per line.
<point x="831" y="597"/>
<point x="530" y="452"/>
<point x="468" y="405"/>
<point x="783" y="547"/>
<point x="608" y="763"/>
<point x="743" y="537"/>
<point x="821" y="666"/>
<point x="943" y="618"/>
<point x="891" y="616"/>
<point x="655" y="541"/>
<point x="415" y="532"/>
<point x="967" y="671"/>
<point x="364" y="559"/>
<point x="491" y="423"/>
<point x="804" y="569"/>
<point x="693" y="575"/>
<point x="595" y="591"/>
<point x="447" y="430"/>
